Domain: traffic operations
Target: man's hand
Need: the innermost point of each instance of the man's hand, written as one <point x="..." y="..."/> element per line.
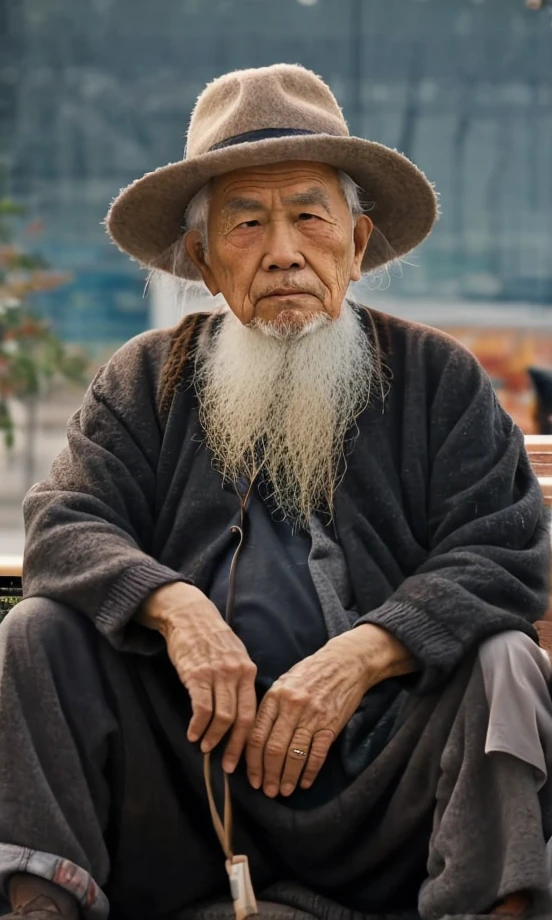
<point x="306" y="709"/>
<point x="212" y="663"/>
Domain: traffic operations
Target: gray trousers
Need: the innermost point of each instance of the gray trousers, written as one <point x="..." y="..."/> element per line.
<point x="101" y="792"/>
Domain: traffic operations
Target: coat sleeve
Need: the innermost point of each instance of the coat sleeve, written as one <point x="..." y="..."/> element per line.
<point x="89" y="526"/>
<point x="488" y="564"/>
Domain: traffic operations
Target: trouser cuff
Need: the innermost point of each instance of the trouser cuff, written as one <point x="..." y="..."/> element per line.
<point x="92" y="901"/>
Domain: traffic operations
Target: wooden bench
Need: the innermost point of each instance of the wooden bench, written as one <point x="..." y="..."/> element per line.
<point x="539" y="448"/>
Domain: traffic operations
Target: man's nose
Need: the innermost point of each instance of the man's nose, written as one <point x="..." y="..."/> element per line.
<point x="281" y="251"/>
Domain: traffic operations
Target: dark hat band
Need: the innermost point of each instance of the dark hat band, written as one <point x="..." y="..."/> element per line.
<point x="261" y="134"/>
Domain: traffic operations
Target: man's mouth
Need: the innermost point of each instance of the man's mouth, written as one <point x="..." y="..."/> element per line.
<point x="286" y="292"/>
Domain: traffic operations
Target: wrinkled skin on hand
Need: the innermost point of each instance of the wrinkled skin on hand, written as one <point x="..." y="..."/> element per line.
<point x="307" y="708"/>
<point x="212" y="663"/>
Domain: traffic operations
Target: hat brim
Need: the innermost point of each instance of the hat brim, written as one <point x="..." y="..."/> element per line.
<point x="146" y="218"/>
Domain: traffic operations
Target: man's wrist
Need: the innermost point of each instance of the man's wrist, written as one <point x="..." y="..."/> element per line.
<point x="379" y="645"/>
<point x="163" y="606"/>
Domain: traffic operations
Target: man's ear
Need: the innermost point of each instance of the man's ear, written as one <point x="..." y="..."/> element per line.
<point x="361" y="236"/>
<point x="195" y="250"/>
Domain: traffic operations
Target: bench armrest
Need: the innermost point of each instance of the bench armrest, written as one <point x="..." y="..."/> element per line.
<point x="11" y="566"/>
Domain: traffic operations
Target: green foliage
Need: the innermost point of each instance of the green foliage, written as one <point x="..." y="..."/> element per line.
<point x="33" y="359"/>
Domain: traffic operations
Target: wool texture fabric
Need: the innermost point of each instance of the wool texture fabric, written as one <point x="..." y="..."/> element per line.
<point x="101" y="792"/>
<point x="439" y="516"/>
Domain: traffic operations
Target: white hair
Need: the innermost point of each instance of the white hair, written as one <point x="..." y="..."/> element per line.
<point x="283" y="406"/>
<point x="197" y="212"/>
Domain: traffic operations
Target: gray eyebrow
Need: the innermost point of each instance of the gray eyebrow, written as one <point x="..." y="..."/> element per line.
<point x="236" y="205"/>
<point x="313" y="195"/>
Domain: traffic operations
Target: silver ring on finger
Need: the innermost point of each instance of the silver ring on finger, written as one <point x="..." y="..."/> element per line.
<point x="298" y="752"/>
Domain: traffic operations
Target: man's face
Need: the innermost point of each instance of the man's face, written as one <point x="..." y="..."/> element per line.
<point x="283" y="245"/>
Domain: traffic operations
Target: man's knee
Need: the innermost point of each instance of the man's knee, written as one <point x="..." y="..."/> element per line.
<point x="510" y="643"/>
<point x="39" y="627"/>
<point x="515" y="653"/>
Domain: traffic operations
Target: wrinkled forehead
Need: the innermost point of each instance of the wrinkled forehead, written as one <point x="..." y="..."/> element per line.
<point x="291" y="178"/>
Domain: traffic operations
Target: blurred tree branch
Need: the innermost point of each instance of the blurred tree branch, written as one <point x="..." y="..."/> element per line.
<point x="33" y="359"/>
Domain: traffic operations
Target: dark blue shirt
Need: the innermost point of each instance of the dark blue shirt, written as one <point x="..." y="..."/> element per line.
<point x="277" y="613"/>
<point x="278" y="617"/>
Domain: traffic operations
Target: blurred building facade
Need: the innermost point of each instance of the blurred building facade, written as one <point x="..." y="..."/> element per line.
<point x="93" y="93"/>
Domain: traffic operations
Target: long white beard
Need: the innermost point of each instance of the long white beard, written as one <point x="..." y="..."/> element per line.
<point x="281" y="402"/>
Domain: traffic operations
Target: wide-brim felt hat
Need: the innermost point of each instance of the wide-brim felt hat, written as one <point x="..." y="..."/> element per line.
<point x="257" y="117"/>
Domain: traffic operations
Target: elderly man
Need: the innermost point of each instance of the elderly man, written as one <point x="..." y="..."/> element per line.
<point x="295" y="535"/>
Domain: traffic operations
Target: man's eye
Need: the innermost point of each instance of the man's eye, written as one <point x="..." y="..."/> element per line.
<point x="249" y="223"/>
<point x="306" y="216"/>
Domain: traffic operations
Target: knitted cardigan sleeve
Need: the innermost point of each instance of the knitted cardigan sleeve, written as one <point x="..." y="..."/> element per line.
<point x="488" y="565"/>
<point x="89" y="526"/>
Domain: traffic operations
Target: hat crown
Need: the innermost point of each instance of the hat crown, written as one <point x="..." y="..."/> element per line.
<point x="285" y="96"/>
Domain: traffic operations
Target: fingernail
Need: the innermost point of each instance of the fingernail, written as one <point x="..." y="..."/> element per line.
<point x="205" y="747"/>
<point x="228" y="765"/>
<point x="271" y="790"/>
<point x="287" y="789"/>
<point x="255" y="782"/>
<point x="192" y="736"/>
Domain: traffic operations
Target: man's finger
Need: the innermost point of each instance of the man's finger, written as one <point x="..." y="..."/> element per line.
<point x="254" y="752"/>
<point x="245" y="719"/>
<point x="201" y="698"/>
<point x="321" y="743"/>
<point x="224" y="712"/>
<point x="297" y="757"/>
<point x="275" y="753"/>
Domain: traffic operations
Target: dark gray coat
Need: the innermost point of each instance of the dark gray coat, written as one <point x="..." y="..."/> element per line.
<point x="439" y="515"/>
